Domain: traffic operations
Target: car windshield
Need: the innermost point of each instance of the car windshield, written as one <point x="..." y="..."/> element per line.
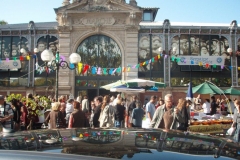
<point x="121" y="143"/>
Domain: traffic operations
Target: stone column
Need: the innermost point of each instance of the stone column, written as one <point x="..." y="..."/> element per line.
<point x="65" y="75"/>
<point x="130" y="57"/>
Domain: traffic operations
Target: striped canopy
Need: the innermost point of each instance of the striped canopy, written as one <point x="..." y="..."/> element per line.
<point x="133" y="83"/>
<point x="232" y="91"/>
<point x="144" y="83"/>
<point x="207" y="88"/>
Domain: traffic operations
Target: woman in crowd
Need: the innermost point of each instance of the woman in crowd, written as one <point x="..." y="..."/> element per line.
<point x="77" y="117"/>
<point x="105" y="118"/>
<point x="69" y="109"/>
<point x="236" y="121"/>
<point x="92" y="113"/>
<point x="119" y="114"/>
<point x="55" y="118"/>
<point x="16" y="114"/>
<point x="183" y="107"/>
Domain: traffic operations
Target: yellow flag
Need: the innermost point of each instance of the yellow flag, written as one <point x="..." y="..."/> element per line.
<point x="28" y="58"/>
<point x="159" y="56"/>
<point x="128" y="69"/>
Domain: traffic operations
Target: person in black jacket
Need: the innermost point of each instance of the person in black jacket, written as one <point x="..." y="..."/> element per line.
<point x="213" y="109"/>
<point x="98" y="103"/>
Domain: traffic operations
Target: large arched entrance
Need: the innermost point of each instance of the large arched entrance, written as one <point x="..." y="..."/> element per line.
<point x="104" y="56"/>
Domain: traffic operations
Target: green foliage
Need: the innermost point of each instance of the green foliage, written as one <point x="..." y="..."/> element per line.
<point x="33" y="105"/>
<point x="45" y="102"/>
<point x="12" y="96"/>
<point x="2" y="22"/>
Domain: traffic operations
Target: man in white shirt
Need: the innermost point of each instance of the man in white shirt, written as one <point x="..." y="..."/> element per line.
<point x="150" y="110"/>
<point x="206" y="106"/>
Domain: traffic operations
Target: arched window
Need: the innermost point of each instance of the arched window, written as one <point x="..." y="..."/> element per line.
<point x="100" y="51"/>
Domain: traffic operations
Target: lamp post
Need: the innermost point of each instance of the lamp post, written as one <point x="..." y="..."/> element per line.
<point x="27" y="53"/>
<point x="55" y="63"/>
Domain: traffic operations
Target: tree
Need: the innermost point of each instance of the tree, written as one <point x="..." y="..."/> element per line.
<point x="2" y="22"/>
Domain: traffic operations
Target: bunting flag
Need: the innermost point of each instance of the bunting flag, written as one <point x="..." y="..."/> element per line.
<point x="86" y="67"/>
<point x="111" y="71"/>
<point x="207" y="65"/>
<point x="124" y="69"/>
<point x="72" y="66"/>
<point x="114" y="71"/>
<point x="94" y="70"/>
<point x="21" y="58"/>
<point x="105" y="71"/>
<point x="99" y="71"/>
<point x="83" y="68"/>
<point x="79" y="67"/>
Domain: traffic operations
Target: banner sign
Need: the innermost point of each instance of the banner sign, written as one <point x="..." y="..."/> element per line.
<point x="196" y="60"/>
<point x="10" y="64"/>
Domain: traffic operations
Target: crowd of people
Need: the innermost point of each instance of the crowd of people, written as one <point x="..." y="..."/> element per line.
<point x="112" y="112"/>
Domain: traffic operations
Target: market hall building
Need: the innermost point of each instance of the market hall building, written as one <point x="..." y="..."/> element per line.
<point x="117" y="41"/>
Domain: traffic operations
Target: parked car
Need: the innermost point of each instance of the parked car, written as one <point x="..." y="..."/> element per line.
<point x="114" y="143"/>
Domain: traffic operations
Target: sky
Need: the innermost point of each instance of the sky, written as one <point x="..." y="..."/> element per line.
<point x="203" y="11"/>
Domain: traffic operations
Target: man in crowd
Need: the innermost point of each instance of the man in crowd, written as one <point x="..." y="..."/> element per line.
<point x="131" y="106"/>
<point x="137" y="115"/>
<point x="166" y="116"/>
<point x="150" y="110"/>
<point x="213" y="109"/>
<point x="6" y="114"/>
<point x="98" y="103"/>
<point x="85" y="104"/>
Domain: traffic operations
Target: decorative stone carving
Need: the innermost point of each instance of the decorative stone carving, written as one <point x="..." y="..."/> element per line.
<point x="97" y="27"/>
<point x="77" y="21"/>
<point x="132" y="28"/>
<point x="64" y="18"/>
<point x="98" y="21"/>
<point x="64" y="28"/>
<point x="119" y="20"/>
<point x="132" y="17"/>
<point x="65" y="2"/>
<point x="166" y="24"/>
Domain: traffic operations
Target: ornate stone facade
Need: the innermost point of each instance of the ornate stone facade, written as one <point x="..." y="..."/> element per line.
<point x="113" y="18"/>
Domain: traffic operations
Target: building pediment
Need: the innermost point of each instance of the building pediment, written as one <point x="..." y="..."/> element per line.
<point x="98" y="12"/>
<point x="97" y="6"/>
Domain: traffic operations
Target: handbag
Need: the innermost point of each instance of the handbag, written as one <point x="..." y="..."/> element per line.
<point x="231" y="131"/>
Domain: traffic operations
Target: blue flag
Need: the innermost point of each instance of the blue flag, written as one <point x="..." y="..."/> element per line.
<point x="189" y="92"/>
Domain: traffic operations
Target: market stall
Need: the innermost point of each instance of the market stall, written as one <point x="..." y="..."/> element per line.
<point x="215" y="124"/>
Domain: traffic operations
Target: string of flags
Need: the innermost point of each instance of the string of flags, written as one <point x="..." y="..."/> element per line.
<point x="83" y="68"/>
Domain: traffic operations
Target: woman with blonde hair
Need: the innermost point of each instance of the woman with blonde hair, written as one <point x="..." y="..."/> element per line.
<point x="106" y="115"/>
<point x="55" y="117"/>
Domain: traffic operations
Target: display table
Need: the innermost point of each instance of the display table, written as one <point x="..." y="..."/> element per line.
<point x="210" y="129"/>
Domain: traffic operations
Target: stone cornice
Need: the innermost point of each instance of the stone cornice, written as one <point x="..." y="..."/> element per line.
<point x="64" y="28"/>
